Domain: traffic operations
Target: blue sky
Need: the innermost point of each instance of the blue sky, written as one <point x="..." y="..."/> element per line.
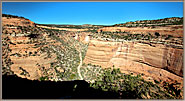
<point x="99" y="13"/>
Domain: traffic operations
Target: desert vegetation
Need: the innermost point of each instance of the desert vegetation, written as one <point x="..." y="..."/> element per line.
<point x="153" y="23"/>
<point x="130" y="86"/>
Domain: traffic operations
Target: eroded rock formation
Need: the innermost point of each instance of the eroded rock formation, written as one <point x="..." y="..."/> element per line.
<point x="156" y="61"/>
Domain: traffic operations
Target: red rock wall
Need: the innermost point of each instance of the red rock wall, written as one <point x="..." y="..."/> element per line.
<point x="159" y="62"/>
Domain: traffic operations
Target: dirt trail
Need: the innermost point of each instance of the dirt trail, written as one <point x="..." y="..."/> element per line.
<point x="79" y="66"/>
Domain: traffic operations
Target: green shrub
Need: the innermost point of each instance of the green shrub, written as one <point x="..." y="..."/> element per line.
<point x="44" y="78"/>
<point x="130" y="86"/>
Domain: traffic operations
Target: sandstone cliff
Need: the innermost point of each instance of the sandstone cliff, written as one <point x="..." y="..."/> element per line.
<point x="157" y="61"/>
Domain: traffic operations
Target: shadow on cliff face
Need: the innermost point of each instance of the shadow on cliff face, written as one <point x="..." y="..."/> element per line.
<point x="19" y="88"/>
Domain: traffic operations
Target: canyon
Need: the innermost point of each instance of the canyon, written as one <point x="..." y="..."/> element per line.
<point x="36" y="51"/>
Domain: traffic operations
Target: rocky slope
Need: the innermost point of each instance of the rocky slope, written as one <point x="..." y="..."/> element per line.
<point x="16" y="21"/>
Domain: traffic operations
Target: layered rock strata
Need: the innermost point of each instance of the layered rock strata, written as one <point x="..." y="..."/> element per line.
<point x="157" y="61"/>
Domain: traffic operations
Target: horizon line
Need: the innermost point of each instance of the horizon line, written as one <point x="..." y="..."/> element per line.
<point x="93" y="24"/>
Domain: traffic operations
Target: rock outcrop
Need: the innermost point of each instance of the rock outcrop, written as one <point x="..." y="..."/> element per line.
<point x="17" y="22"/>
<point x="156" y="61"/>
